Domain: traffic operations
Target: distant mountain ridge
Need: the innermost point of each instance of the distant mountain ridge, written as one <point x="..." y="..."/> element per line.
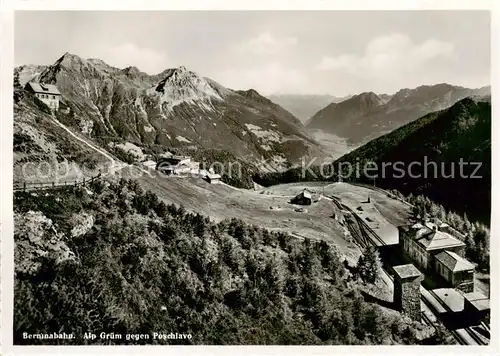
<point x="174" y="108"/>
<point x="461" y="132"/>
<point x="29" y="72"/>
<point x="368" y="115"/>
<point x="304" y="106"/>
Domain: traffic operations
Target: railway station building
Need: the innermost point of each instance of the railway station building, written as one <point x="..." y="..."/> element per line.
<point x="433" y="248"/>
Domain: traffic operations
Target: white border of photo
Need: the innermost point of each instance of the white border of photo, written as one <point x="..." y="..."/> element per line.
<point x="6" y="174"/>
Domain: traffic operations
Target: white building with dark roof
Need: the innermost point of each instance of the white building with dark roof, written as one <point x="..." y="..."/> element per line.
<point x="177" y="165"/>
<point x="306" y="197"/>
<point x="421" y="242"/>
<point x="47" y="93"/>
<point x="213" y="178"/>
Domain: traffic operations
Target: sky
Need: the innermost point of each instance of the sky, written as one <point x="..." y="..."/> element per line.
<point x="288" y="52"/>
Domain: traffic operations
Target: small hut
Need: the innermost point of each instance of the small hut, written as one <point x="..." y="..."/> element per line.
<point x="304" y="198"/>
<point x="213" y="178"/>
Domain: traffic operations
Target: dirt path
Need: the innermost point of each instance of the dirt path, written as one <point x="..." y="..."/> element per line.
<point x="102" y="152"/>
<point x="116" y="165"/>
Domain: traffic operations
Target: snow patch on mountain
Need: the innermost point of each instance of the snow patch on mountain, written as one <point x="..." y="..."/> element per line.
<point x="182" y="139"/>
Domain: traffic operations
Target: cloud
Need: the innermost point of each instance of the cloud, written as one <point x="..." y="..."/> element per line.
<point x="344" y="61"/>
<point x="123" y="55"/>
<point x="267" y="44"/>
<point x="267" y="79"/>
<point x="392" y="55"/>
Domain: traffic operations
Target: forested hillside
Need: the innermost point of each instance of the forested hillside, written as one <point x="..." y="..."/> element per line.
<point x="443" y="139"/>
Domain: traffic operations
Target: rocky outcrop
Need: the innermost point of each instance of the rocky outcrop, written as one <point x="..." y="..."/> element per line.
<point x="81" y="223"/>
<point x="35" y="238"/>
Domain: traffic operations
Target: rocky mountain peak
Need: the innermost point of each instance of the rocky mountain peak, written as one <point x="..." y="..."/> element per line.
<point x="367" y="95"/>
<point x="71" y="63"/>
<point x="368" y="99"/>
<point x="181" y="75"/>
<point x="181" y="85"/>
<point x="69" y="59"/>
<point x="401" y="94"/>
<point x="253" y="94"/>
<point x="368" y="115"/>
<point x="101" y="65"/>
<point x="363" y="101"/>
<point x="27" y="73"/>
<point x="132" y="71"/>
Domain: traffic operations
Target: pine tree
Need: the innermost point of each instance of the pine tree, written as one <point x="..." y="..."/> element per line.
<point x="415" y="211"/>
<point x="17" y="84"/>
<point x="434" y="210"/>
<point x="442" y="213"/>
<point x="470" y="246"/>
<point x="369" y="265"/>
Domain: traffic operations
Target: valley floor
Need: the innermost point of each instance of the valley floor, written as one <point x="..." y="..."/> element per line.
<point x="336" y="146"/>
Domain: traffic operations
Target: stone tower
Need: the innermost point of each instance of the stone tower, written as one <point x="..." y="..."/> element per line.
<point x="407" y="279"/>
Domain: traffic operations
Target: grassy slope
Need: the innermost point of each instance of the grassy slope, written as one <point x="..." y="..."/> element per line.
<point x="268" y="211"/>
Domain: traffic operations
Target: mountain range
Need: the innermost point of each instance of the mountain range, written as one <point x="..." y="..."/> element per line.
<point x="176" y="108"/>
<point x="442" y="139"/>
<point x="367" y="115"/>
<point x="179" y="109"/>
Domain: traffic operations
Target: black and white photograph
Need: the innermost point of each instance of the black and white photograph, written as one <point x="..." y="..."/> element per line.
<point x="251" y="177"/>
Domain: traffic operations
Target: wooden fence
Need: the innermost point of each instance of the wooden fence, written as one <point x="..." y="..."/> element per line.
<point x="28" y="186"/>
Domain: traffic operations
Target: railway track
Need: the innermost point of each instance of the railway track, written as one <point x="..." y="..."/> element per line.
<point x="366" y="235"/>
<point x="427" y="320"/>
<point x="465" y="336"/>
